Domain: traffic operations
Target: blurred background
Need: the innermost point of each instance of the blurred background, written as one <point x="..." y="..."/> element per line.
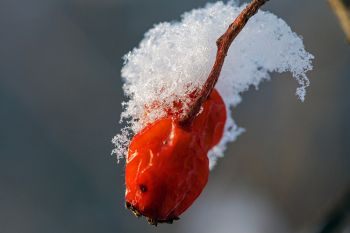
<point x="60" y="101"/>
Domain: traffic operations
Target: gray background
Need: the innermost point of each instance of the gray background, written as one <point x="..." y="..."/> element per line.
<point x="60" y="101"/>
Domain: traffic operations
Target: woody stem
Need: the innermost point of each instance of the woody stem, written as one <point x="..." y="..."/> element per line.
<point x="223" y="45"/>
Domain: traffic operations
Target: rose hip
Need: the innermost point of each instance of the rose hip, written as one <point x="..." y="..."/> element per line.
<point x="167" y="164"/>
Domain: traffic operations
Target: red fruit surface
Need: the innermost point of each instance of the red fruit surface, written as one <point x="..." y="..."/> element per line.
<point x="167" y="165"/>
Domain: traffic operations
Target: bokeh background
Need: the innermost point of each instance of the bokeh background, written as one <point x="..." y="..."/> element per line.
<point x="60" y="101"/>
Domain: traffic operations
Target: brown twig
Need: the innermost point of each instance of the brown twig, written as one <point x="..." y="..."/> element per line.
<point x="342" y="10"/>
<point x="223" y="44"/>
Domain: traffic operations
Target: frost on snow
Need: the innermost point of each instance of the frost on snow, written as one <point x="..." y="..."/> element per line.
<point x="175" y="58"/>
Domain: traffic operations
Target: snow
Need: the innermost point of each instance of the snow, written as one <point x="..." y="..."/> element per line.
<point x="175" y="58"/>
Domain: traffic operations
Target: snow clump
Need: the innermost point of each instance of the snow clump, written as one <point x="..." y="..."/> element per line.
<point x="175" y="58"/>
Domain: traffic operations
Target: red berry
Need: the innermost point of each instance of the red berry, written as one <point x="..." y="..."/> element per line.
<point x="167" y="164"/>
<point x="211" y="121"/>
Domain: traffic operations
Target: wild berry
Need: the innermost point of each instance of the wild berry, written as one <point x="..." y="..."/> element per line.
<point x="167" y="165"/>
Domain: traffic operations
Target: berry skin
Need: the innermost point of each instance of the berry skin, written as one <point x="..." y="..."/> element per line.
<point x="167" y="165"/>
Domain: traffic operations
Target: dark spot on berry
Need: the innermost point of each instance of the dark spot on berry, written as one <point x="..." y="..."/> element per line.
<point x="127" y="205"/>
<point x="143" y="188"/>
